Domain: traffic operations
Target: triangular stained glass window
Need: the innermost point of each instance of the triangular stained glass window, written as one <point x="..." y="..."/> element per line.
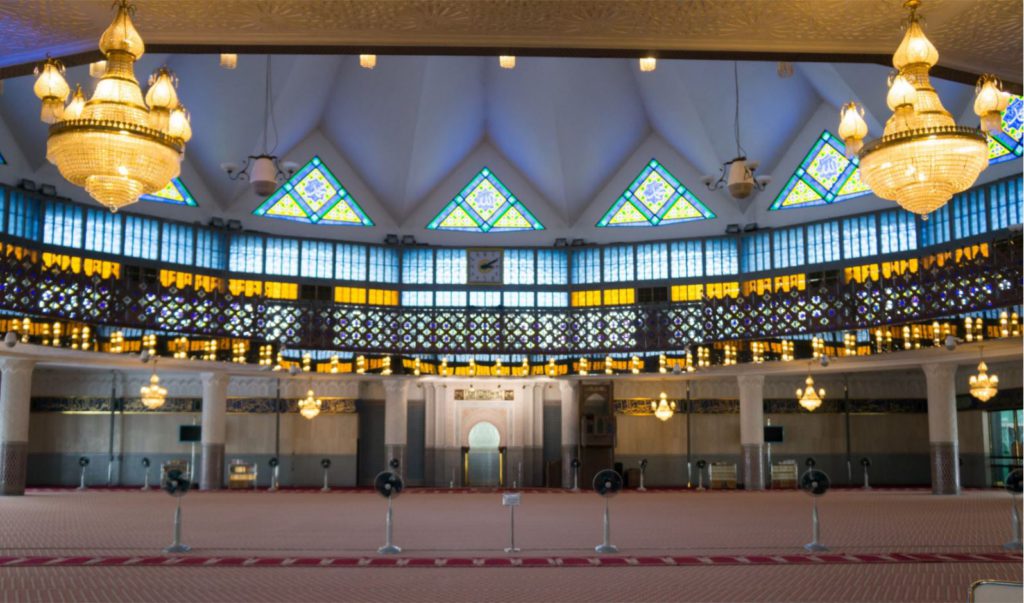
<point x="175" y="193"/>
<point x="313" y="194"/>
<point x="655" y="198"/>
<point x="1006" y="145"/>
<point x="485" y="205"/>
<point x="824" y="176"/>
<point x="2" y="160"/>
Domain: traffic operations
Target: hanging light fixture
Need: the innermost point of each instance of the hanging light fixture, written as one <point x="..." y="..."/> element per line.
<point x="309" y="407"/>
<point x="808" y="397"/>
<point x="923" y="157"/>
<point x="367" y="61"/>
<point x="117" y="146"/>
<point x="153" y="395"/>
<point x="984" y="386"/>
<point x="507" y="61"/>
<point x="663" y="408"/>
<point x="228" y="60"/>
<point x="648" y="64"/>
<point x="738" y="174"/>
<point x="265" y="170"/>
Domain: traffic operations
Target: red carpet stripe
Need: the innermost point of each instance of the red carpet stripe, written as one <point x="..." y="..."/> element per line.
<point x="609" y="561"/>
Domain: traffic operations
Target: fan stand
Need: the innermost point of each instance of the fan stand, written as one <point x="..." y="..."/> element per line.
<point x="145" y="484"/>
<point x="81" y="482"/>
<point x="641" y="488"/>
<point x="327" y="487"/>
<point x="700" y="480"/>
<point x="606" y="547"/>
<point x="1015" y="544"/>
<point x="867" y="486"/>
<point x="176" y="546"/>
<point x="814" y="546"/>
<point x="388" y="548"/>
<point x="575" y="479"/>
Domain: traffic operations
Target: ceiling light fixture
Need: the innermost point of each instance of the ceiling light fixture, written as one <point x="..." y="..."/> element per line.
<point x="117" y="146"/>
<point x="265" y="170"/>
<point x="228" y="60"/>
<point x="309" y="407"/>
<point x="808" y="397"/>
<point x="153" y="395"/>
<point x="506" y="61"/>
<point x="367" y="61"/>
<point x="648" y="64"/>
<point x="664" y="408"/>
<point x="984" y="386"/>
<point x="923" y="157"/>
<point x="738" y="174"/>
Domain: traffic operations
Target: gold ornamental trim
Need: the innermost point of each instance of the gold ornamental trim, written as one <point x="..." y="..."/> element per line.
<point x="103" y="126"/>
<point x="892" y="140"/>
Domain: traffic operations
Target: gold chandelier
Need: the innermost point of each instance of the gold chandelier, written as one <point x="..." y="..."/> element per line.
<point x="153" y="395"/>
<point x="663" y="409"/>
<point x="309" y="407"/>
<point x="115" y="145"/>
<point x="984" y="386"/>
<point x="808" y="397"/>
<point x="923" y="157"/>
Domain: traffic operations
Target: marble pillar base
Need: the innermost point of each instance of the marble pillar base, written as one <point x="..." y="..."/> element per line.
<point x="752" y="470"/>
<point x="945" y="464"/>
<point x="13" y="468"/>
<point x="211" y="465"/>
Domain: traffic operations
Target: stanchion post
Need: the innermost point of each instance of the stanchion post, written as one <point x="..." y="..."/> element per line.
<point x="1014" y="544"/>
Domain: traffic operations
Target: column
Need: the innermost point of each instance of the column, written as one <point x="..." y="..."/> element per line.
<point x="396" y="421"/>
<point x="942" y="429"/>
<point x="429" y="433"/>
<point x="570" y="429"/>
<point x="15" y="402"/>
<point x="752" y="430"/>
<point x="212" y="438"/>
<point x="538" y="434"/>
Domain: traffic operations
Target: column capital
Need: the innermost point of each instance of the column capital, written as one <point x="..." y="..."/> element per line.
<point x="215" y="379"/>
<point x="396" y="386"/>
<point x="755" y="381"/>
<point x="14" y="366"/>
<point x="939" y="370"/>
<point x="567" y="387"/>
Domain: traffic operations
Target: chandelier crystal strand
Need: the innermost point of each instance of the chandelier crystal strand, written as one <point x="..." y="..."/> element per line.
<point x="114" y="145"/>
<point x="923" y="157"/>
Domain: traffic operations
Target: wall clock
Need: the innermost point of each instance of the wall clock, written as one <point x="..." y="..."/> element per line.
<point x="485" y="266"/>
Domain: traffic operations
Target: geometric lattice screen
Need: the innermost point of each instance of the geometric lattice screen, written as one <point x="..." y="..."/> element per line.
<point x="485" y="205"/>
<point x="175" y="193"/>
<point x="824" y="176"/>
<point x="655" y="198"/>
<point x="1006" y="145"/>
<point x="314" y="195"/>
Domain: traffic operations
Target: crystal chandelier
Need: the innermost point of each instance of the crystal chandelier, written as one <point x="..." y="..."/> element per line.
<point x="309" y="407"/>
<point x="153" y="395"/>
<point x="115" y="145"/>
<point x="664" y="408"/>
<point x="923" y="157"/>
<point x="808" y="397"/>
<point x="984" y="386"/>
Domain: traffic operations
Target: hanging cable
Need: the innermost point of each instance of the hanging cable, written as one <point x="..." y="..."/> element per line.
<point x="740" y="152"/>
